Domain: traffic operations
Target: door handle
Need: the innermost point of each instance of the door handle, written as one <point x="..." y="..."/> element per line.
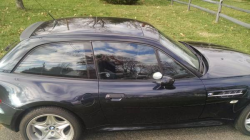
<point x="115" y="97"/>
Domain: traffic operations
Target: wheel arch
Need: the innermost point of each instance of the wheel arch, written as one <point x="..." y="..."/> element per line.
<point x="15" y="124"/>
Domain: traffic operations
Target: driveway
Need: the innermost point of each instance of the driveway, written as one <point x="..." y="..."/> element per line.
<point x="205" y="133"/>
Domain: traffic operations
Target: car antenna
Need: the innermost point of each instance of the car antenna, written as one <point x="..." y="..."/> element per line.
<point x="55" y="21"/>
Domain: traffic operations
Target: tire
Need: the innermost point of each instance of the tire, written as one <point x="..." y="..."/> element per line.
<point x="240" y="123"/>
<point x="50" y="122"/>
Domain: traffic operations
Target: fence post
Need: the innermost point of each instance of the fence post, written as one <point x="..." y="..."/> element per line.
<point x="219" y="10"/>
<point x="189" y="4"/>
<point x="172" y="2"/>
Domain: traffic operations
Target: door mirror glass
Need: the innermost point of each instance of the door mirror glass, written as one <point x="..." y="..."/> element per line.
<point x="157" y="76"/>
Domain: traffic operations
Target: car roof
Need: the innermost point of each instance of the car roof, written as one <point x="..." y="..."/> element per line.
<point x="90" y="25"/>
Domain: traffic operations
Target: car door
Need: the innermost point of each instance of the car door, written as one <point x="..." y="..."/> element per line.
<point x="129" y="95"/>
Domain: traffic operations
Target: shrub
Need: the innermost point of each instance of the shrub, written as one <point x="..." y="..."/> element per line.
<point x="128" y="2"/>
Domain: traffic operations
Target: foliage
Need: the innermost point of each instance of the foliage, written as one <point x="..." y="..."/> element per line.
<point x="128" y="2"/>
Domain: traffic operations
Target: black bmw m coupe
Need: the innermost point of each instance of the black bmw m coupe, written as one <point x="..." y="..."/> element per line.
<point x="108" y="74"/>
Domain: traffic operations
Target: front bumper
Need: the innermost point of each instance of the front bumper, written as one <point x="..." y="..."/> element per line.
<point x="8" y="116"/>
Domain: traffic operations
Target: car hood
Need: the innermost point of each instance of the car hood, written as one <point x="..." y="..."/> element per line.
<point x="223" y="61"/>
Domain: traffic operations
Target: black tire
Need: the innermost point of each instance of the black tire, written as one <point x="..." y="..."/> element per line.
<point x="240" y="122"/>
<point x="76" y="124"/>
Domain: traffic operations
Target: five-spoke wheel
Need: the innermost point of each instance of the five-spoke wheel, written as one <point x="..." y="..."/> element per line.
<point x="50" y="123"/>
<point x="50" y="126"/>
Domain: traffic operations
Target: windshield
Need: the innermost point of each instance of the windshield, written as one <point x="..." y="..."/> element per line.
<point x="180" y="50"/>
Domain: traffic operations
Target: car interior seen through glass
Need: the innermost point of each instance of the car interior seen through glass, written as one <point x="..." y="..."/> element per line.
<point x="125" y="60"/>
<point x="172" y="68"/>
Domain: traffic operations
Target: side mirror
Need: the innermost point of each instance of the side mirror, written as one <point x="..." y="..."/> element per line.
<point x="168" y="82"/>
<point x="164" y="81"/>
<point x="157" y="76"/>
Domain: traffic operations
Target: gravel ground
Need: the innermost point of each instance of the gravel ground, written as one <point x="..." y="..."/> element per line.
<point x="204" y="133"/>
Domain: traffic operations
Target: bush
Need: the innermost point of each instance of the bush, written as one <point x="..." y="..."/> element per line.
<point x="129" y="2"/>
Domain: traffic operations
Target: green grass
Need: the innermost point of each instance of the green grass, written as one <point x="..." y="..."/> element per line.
<point x="245" y="17"/>
<point x="174" y="21"/>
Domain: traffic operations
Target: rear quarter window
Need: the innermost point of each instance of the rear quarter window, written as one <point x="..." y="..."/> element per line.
<point x="64" y="59"/>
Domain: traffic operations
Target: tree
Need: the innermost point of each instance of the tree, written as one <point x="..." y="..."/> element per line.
<point x="19" y="4"/>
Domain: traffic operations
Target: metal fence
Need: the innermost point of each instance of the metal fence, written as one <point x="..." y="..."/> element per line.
<point x="218" y="13"/>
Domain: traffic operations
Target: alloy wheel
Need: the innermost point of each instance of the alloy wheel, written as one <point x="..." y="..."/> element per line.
<point x="247" y="122"/>
<point x="49" y="127"/>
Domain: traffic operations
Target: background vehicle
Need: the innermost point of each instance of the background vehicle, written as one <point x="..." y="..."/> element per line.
<point x="118" y="74"/>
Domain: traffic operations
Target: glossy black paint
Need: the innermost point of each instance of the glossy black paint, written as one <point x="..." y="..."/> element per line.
<point x="221" y="107"/>
<point x="199" y="123"/>
<point x="142" y="105"/>
<point x="99" y="25"/>
<point x="223" y="62"/>
<point x="145" y="104"/>
<point x="25" y="91"/>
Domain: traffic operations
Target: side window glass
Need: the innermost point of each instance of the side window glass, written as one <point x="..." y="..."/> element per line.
<point x="63" y="59"/>
<point x="172" y="68"/>
<point x="125" y="60"/>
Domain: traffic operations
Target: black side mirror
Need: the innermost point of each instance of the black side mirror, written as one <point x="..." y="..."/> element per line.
<point x="164" y="81"/>
<point x="167" y="82"/>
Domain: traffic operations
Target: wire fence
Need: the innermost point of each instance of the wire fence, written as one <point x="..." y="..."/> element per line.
<point x="218" y="13"/>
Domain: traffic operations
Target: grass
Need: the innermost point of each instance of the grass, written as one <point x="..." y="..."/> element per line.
<point x="174" y="21"/>
<point x="245" y="17"/>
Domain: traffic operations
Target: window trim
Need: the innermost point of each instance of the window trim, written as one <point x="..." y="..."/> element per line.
<point x="53" y="77"/>
<point x="64" y="77"/>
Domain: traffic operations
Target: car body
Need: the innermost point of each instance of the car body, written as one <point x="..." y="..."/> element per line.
<point x="108" y="90"/>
